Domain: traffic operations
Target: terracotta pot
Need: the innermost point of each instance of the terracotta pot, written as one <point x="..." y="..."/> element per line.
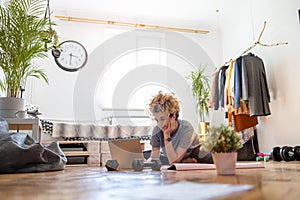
<point x="225" y="163"/>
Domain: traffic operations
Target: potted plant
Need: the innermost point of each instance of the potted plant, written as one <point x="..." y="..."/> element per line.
<point x="223" y="141"/>
<point x="200" y="90"/>
<point x="25" y="32"/>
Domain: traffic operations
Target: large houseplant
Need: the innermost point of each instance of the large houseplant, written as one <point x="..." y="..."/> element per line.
<point x="25" y="31"/>
<point x="223" y="141"/>
<point x="201" y="90"/>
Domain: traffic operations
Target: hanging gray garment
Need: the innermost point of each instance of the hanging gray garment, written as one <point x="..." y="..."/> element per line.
<point x="19" y="152"/>
<point x="256" y="90"/>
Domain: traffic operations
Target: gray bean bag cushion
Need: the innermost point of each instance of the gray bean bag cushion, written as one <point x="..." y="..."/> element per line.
<point x="19" y="153"/>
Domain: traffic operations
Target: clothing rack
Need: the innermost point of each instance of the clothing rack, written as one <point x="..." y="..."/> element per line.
<point x="258" y="42"/>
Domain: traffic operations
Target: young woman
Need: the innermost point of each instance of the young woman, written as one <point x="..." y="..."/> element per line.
<point x="176" y="138"/>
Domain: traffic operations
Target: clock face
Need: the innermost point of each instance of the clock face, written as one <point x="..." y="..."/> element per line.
<point x="73" y="56"/>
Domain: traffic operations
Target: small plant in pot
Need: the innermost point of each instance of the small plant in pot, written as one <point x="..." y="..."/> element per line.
<point x="200" y="90"/>
<point x="25" y="34"/>
<point x="223" y="141"/>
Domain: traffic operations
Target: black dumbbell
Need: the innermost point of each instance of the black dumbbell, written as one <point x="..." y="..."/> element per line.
<point x="139" y="164"/>
<point x="275" y="153"/>
<point x="285" y="153"/>
<point x="112" y="165"/>
<point x="297" y="153"/>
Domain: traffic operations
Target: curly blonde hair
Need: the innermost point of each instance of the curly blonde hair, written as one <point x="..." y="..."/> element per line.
<point x="165" y="103"/>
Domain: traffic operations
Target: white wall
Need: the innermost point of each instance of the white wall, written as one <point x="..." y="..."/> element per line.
<point x="233" y="29"/>
<point x="104" y="83"/>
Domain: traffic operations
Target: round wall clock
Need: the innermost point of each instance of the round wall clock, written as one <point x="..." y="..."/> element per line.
<point x="70" y="55"/>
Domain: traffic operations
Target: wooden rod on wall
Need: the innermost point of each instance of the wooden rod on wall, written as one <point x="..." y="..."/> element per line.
<point x="99" y="21"/>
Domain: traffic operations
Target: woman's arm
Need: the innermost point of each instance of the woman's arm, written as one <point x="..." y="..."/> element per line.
<point x="186" y="133"/>
<point x="155" y="152"/>
<point x="174" y="156"/>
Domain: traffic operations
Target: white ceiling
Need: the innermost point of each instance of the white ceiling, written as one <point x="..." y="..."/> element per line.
<point x="190" y="12"/>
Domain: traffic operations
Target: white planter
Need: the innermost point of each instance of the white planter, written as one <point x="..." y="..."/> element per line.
<point x="10" y="105"/>
<point x="225" y="163"/>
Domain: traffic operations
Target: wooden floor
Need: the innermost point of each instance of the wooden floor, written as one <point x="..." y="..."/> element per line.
<point x="279" y="180"/>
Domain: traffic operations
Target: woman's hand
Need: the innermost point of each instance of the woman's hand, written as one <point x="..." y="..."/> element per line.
<point x="170" y="126"/>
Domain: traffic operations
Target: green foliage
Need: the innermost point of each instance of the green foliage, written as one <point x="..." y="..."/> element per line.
<point x="201" y="91"/>
<point x="221" y="139"/>
<point x="23" y="31"/>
